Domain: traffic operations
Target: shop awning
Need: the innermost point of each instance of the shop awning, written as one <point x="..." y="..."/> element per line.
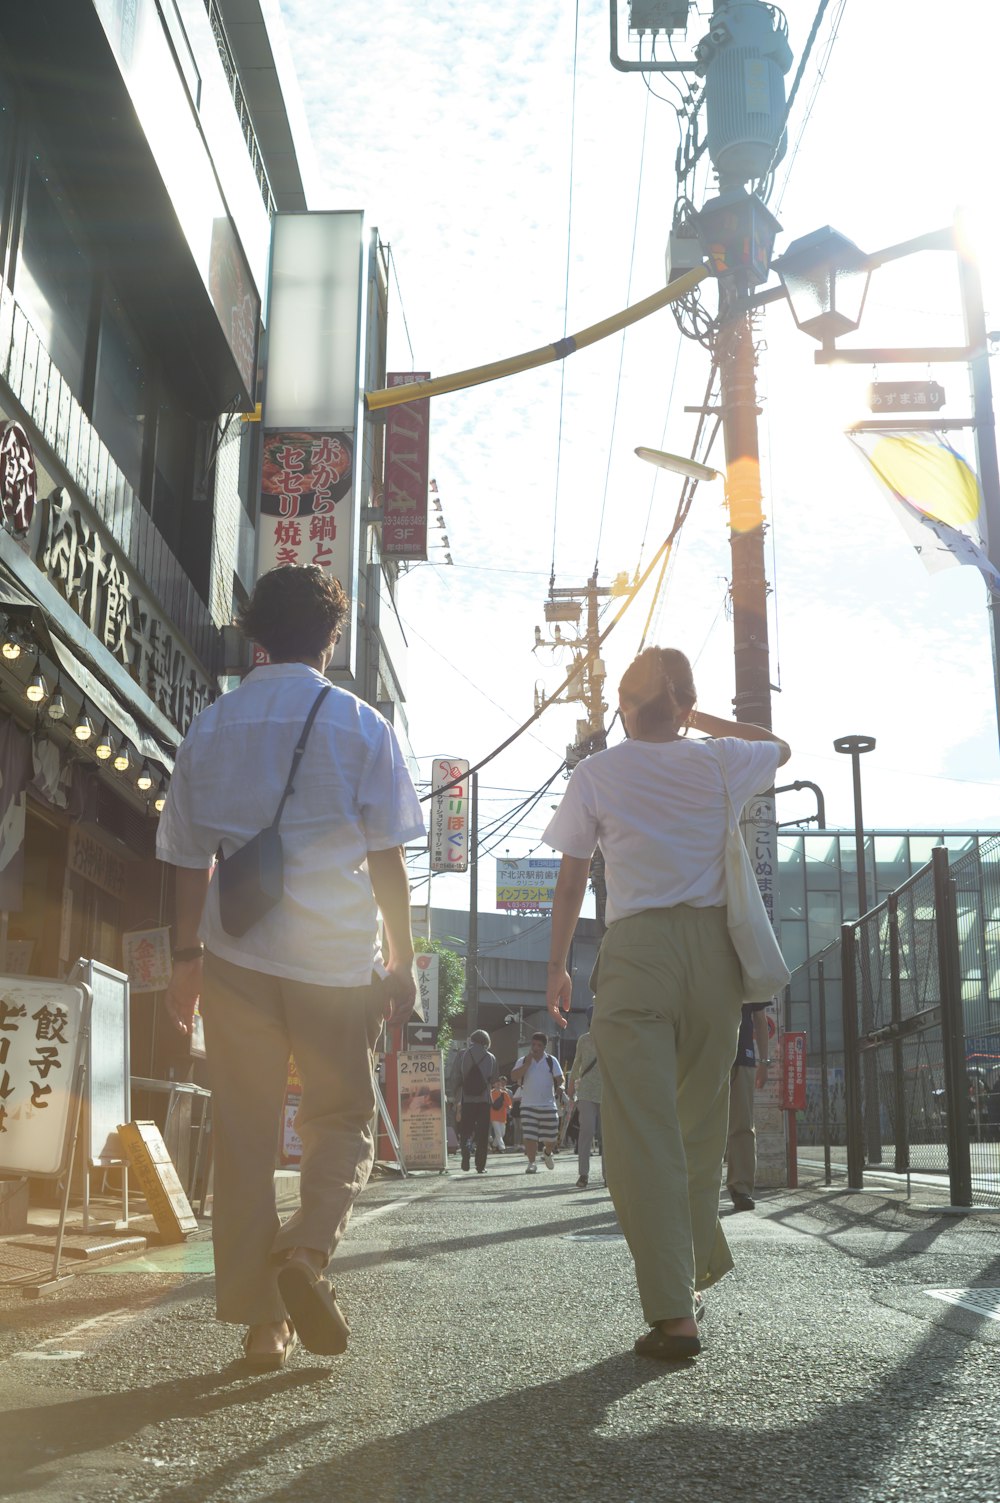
<point x="105" y="703"/>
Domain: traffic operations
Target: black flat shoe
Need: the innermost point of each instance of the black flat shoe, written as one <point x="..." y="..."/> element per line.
<point x="269" y="1362"/>
<point x="312" y="1306"/>
<point x="665" y="1348"/>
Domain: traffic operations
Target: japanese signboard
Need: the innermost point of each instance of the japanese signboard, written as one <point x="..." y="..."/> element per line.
<point x="305" y="503"/>
<point x="404" y="524"/>
<point x="80" y="560"/>
<point x="146" y="955"/>
<point x="161" y="1188"/>
<point x="449" y="823"/>
<point x="760" y="834"/>
<point x="526" y="886"/>
<point x="427" y="974"/>
<point x="421" y="1036"/>
<point x="42" y="1025"/>
<point x="97" y="863"/>
<point x="905" y="396"/>
<point x="793" y="1072"/>
<point x="18" y="479"/>
<point x="422" y="1136"/>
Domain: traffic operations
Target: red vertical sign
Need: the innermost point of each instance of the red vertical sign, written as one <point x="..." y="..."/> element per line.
<point x="407" y="449"/>
<point x="793" y="1072"/>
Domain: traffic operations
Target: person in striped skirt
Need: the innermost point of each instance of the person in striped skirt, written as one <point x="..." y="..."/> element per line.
<point x="540" y="1076"/>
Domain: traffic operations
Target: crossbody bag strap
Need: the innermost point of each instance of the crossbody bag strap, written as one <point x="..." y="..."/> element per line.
<point x="732" y="818"/>
<point x="300" y="748"/>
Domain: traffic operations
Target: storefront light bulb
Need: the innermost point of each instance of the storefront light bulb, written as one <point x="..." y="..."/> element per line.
<point x="121" y="761"/>
<point x="161" y="796"/>
<point x="144" y="781"/>
<point x="84" y="728"/>
<point x="103" y="750"/>
<point x="11" y="649"/>
<point x="57" y="705"/>
<point x="37" y="687"/>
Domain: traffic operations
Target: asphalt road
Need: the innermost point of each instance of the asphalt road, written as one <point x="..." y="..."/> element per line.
<point x="493" y="1320"/>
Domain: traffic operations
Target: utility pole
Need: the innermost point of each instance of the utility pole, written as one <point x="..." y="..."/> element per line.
<point x="586" y="686"/>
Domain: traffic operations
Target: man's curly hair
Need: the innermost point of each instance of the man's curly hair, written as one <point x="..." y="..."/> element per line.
<point x="294" y="612"/>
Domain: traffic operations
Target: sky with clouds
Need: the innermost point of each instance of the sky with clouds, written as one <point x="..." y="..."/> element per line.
<point x="451" y="126"/>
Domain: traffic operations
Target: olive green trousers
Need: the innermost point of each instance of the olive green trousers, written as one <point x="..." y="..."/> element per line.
<point x="668" y="995"/>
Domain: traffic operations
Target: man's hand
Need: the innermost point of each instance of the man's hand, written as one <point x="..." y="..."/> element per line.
<point x="559" y="996"/>
<point x="183" y="991"/>
<point x="760" y="1079"/>
<point x="400" y="996"/>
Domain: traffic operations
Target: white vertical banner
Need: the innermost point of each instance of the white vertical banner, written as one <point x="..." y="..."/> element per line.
<point x="427" y="974"/>
<point x="761" y="836"/>
<point x="449" y="822"/>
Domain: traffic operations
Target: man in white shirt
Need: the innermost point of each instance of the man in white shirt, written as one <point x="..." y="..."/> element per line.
<point x="306" y="978"/>
<point x="540" y="1076"/>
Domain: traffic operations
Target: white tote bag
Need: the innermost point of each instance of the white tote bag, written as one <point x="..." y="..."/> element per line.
<point x="764" y="970"/>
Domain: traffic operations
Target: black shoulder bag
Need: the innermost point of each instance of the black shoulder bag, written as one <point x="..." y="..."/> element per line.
<point x="252" y="880"/>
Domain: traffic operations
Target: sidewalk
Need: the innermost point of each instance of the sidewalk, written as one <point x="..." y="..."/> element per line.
<point x="493" y="1318"/>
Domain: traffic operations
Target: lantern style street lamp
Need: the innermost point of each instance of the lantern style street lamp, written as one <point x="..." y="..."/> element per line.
<point x="825" y="277"/>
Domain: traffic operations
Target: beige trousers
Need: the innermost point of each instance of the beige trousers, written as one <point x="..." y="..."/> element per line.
<point x="741" y="1146"/>
<point x="666" y="1019"/>
<point x="253" y="1022"/>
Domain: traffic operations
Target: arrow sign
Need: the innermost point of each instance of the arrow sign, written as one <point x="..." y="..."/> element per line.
<point x="421" y="1036"/>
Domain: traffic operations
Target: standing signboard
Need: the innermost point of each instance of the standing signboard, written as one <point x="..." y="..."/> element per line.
<point x="43" y="1028"/>
<point x="793" y="1072"/>
<point x="422" y="1135"/>
<point x="449" y="832"/>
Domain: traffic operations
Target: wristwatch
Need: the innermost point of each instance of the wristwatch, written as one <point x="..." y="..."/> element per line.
<point x="188" y="952"/>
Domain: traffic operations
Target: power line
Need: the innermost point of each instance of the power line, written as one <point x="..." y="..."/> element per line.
<point x="399" y="294"/>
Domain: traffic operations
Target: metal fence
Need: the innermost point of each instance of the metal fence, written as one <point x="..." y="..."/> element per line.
<point x="919" y="980"/>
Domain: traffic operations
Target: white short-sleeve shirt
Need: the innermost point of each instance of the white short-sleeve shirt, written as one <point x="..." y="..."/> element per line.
<point x="353" y="794"/>
<point x="539" y="1080"/>
<point x="658" y="811"/>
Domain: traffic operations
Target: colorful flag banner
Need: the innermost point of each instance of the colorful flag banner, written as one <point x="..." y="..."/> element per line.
<point x="935" y="495"/>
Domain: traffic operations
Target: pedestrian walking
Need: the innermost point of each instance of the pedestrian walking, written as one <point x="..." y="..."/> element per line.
<point x="668" y="985"/>
<point x="749" y="1072"/>
<point x="585" y="1091"/>
<point x="500" y="1106"/>
<point x="472" y="1110"/>
<point x="541" y="1079"/>
<point x="288" y="961"/>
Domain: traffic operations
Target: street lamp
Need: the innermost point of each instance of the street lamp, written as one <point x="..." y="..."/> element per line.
<point x="825" y="277"/>
<point x="855" y="747"/>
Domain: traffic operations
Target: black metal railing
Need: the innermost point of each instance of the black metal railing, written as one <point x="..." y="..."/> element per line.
<point x="239" y="100"/>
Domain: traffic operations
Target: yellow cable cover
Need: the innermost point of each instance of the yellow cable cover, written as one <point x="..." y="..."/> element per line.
<point x="393" y="396"/>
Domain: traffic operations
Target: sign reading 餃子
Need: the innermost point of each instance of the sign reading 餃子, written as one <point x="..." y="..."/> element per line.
<point x="18" y="479"/>
<point x="42" y="1026"/>
<point x="305" y="503"/>
<point x="449" y="823"/>
<point x="427" y="974"/>
<point x="526" y="886"/>
<point x="404" y="524"/>
<point x="422" y="1137"/>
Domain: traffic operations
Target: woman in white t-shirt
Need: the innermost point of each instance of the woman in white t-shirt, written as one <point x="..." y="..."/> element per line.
<point x="668" y="989"/>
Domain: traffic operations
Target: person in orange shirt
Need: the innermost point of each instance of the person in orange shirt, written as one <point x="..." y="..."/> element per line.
<point x="501" y="1102"/>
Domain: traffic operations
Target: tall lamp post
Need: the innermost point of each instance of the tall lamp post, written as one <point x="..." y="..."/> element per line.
<point x="855" y="747"/>
<point x="825" y="279"/>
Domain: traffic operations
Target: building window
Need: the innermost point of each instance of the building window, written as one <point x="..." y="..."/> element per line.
<point x="173" y="465"/>
<point x="121" y="391"/>
<point x="55" y="278"/>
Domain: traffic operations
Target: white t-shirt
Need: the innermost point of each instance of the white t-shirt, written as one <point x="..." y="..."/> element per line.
<point x="658" y="811"/>
<point x="538" y="1080"/>
<point x="353" y="794"/>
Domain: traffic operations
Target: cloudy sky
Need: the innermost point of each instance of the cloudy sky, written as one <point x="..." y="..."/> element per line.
<point x="451" y="126"/>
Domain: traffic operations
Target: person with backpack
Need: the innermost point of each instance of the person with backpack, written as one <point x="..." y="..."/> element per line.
<point x="540" y="1077"/>
<point x="479" y="1070"/>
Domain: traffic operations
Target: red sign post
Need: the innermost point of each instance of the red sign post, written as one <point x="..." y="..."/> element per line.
<point x="792" y="1094"/>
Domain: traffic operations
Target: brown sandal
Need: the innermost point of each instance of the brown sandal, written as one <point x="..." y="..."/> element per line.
<point x="666" y="1348"/>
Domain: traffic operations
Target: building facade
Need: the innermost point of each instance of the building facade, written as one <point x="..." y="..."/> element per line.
<point x="145" y="152"/>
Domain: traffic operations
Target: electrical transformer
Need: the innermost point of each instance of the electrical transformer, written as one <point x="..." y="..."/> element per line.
<point x="743" y="60"/>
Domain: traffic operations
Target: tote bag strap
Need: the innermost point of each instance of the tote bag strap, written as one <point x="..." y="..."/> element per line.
<point x="300" y="748"/>
<point x="733" y="817"/>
